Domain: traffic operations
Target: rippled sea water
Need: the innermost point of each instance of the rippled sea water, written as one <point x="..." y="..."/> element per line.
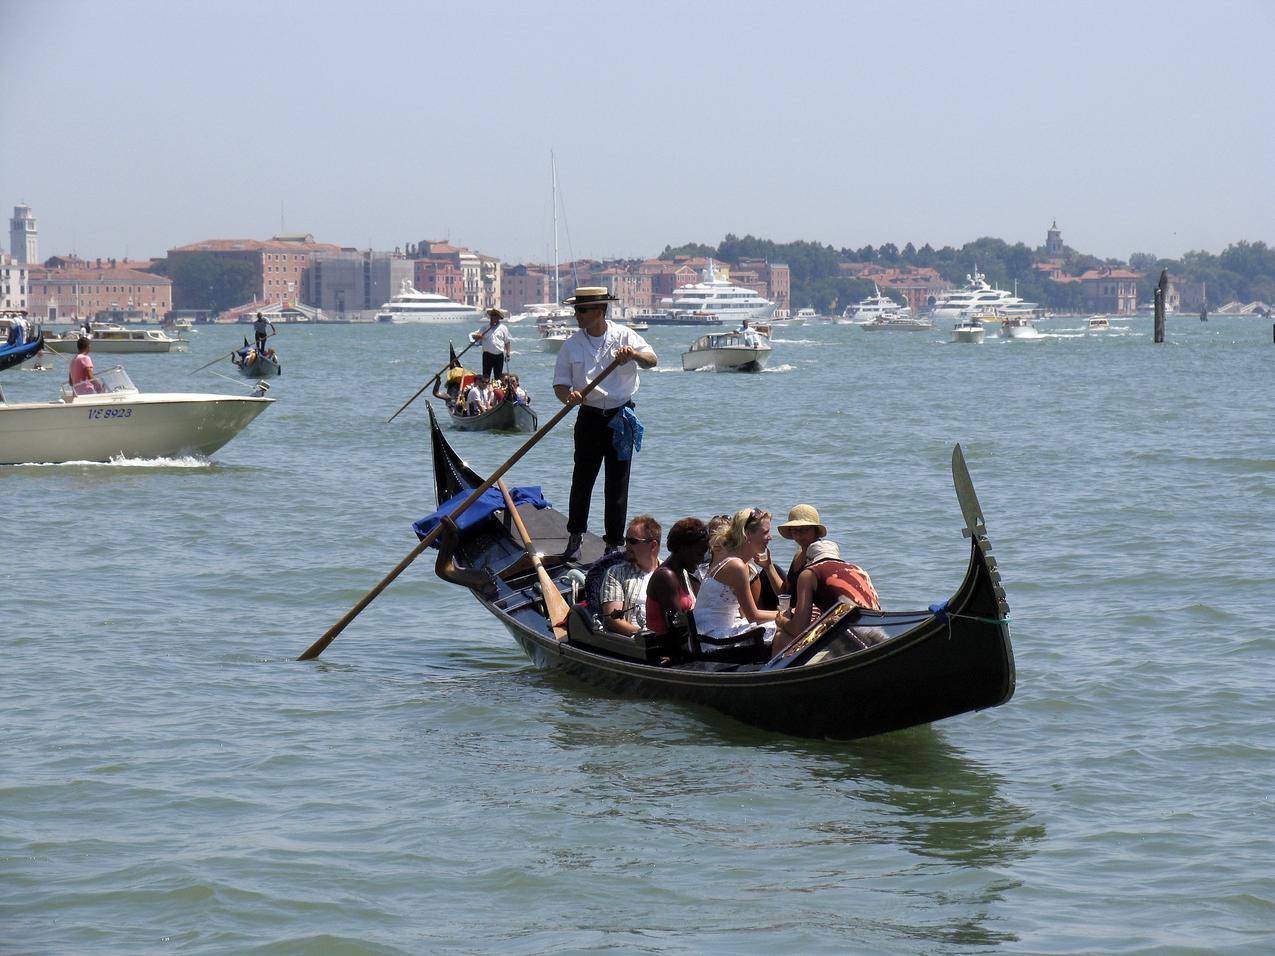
<point x="173" y="781"/>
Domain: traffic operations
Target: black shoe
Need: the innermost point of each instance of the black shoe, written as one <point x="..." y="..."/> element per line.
<point x="574" y="542"/>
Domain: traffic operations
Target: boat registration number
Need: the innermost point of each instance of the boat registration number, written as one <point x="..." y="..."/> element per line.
<point x="110" y="413"/>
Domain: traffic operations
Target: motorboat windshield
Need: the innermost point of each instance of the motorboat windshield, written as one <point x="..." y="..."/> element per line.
<point x="107" y="382"/>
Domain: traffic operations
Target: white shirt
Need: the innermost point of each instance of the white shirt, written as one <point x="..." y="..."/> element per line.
<point x="496" y="339"/>
<point x="479" y="396"/>
<point x="584" y="356"/>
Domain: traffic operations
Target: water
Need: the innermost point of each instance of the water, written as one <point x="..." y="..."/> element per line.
<point x="174" y="782"/>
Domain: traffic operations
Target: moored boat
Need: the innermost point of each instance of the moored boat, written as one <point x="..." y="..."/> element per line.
<point x="117" y="340"/>
<point x="852" y="674"/>
<point x="108" y="417"/>
<point x="728" y="352"/>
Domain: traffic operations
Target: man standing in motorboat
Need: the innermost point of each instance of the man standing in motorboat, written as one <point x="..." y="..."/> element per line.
<point x="589" y="350"/>
<point x="498" y="344"/>
<point x="259" y="332"/>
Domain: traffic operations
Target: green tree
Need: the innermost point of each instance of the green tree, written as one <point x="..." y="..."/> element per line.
<point x="205" y="281"/>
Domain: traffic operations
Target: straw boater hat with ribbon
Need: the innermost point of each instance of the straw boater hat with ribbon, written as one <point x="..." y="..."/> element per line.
<point x="591" y="295"/>
<point x="802" y="516"/>
<point x="498" y="313"/>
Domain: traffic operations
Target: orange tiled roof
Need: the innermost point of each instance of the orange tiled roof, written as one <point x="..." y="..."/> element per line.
<point x="1110" y="274"/>
<point x="256" y="245"/>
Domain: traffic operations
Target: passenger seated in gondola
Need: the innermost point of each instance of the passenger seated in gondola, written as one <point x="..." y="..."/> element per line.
<point x="803" y="528"/>
<point x="497" y="393"/>
<point x="756" y="567"/>
<point x="672" y="589"/>
<point x="624" y="589"/>
<point x="479" y="397"/>
<point x="824" y="581"/>
<point x="520" y="394"/>
<point x="725" y="606"/>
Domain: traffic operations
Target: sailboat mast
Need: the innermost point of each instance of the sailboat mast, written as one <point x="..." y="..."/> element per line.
<point x="557" y="287"/>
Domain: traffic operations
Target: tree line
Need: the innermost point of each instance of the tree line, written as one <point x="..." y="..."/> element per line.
<point x="1244" y="270"/>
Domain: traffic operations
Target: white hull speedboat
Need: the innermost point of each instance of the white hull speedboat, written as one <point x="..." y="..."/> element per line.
<point x="1019" y="328"/>
<point x="551" y="339"/>
<point x="970" y="330"/>
<point x="727" y="352"/>
<point x="897" y="322"/>
<point x="122" y="422"/>
<point x="117" y="340"/>
<point x="1098" y="323"/>
<point x="413" y="306"/>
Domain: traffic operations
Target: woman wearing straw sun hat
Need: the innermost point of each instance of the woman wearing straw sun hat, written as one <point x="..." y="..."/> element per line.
<point x="804" y="528"/>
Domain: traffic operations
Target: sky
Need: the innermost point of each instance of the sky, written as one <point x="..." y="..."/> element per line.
<point x="131" y="126"/>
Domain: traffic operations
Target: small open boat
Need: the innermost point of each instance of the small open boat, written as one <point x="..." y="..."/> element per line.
<point x="510" y="415"/>
<point x="854" y="673"/>
<point x="727" y="352"/>
<point x="255" y="364"/>
<point x="108" y="417"/>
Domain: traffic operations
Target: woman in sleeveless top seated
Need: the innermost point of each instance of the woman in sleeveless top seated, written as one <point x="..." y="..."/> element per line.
<point x="725" y="606"/>
<point x="671" y="591"/>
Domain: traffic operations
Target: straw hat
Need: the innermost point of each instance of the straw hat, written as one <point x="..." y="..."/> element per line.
<point x="802" y="516"/>
<point x="591" y="295"/>
<point x="498" y="313"/>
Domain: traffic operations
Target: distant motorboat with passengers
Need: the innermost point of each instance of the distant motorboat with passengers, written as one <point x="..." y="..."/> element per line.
<point x="116" y="340"/>
<point x="728" y="352"/>
<point x="1019" y="327"/>
<point x="108" y="417"/>
<point x="968" y="330"/>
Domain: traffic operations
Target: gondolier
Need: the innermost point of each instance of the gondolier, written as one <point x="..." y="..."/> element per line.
<point x="497" y="344"/>
<point x="584" y="355"/>
<point x="259" y="331"/>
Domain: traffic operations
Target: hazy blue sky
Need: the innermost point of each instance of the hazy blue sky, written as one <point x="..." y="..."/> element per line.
<point x="1141" y="126"/>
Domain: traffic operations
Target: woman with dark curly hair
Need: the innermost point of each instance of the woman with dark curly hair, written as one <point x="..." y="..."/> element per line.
<point x="673" y="586"/>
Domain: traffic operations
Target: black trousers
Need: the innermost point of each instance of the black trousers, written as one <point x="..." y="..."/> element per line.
<point x="493" y="365"/>
<point x="594" y="448"/>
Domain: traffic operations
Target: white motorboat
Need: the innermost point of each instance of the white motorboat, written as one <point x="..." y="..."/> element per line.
<point x="117" y="340"/>
<point x="542" y="313"/>
<point x="716" y="297"/>
<point x="728" y="352"/>
<point x="1098" y="323"/>
<point x="412" y="305"/>
<point x="107" y="417"/>
<point x="552" y="337"/>
<point x="968" y="330"/>
<point x="865" y="310"/>
<point x="803" y="316"/>
<point x="1019" y="327"/>
<point x="898" y="322"/>
<point x="977" y="294"/>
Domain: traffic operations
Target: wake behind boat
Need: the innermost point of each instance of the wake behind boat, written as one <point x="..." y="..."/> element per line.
<point x="108" y="417"/>
<point x="853" y="673"/>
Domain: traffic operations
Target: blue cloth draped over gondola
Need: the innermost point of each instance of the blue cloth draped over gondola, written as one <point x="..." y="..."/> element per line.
<point x="489" y="501"/>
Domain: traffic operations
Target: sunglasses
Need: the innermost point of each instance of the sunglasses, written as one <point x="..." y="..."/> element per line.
<point x="628" y="540"/>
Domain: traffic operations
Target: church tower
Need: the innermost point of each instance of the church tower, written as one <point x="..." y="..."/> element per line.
<point x="23" y="236"/>
<point x="1053" y="242"/>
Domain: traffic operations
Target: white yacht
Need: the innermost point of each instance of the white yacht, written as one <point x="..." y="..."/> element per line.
<point x="864" y="311"/>
<point x="116" y="339"/>
<point x="979" y="294"/>
<point x="718" y="297"/>
<point x="802" y="317"/>
<point x="412" y="305"/>
<point x="898" y="322"/>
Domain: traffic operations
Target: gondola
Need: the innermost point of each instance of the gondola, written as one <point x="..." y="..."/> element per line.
<point x="510" y="415"/>
<point x="11" y="355"/>
<point x="854" y="674"/>
<point x="253" y="363"/>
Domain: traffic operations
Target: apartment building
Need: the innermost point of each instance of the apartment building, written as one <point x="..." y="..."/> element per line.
<point x="106" y="288"/>
<point x="280" y="264"/>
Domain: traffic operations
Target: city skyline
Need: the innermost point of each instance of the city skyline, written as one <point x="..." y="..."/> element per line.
<point x="149" y="127"/>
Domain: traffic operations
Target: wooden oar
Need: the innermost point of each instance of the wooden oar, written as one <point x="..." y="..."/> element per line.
<point x="431" y="379"/>
<point x="318" y="647"/>
<point x="555" y="604"/>
<point x="215" y="361"/>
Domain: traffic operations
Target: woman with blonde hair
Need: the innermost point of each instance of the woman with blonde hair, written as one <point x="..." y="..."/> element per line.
<point x="725" y="606"/>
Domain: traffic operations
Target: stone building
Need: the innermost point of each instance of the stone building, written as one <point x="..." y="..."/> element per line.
<point x="14" y="283"/>
<point x="522" y="285"/>
<point x="1110" y="291"/>
<point x="280" y="265"/>
<point x="24" y="244"/>
<point x="104" y="289"/>
<point x="480" y="275"/>
<point x="353" y="281"/>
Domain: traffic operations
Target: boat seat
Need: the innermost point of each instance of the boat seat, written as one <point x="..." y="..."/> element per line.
<point x="747" y="648"/>
<point x="585" y="630"/>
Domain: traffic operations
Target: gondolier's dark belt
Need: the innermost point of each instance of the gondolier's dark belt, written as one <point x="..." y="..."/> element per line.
<point x="606" y="413"/>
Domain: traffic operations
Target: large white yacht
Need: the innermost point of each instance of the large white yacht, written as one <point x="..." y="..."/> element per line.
<point x="718" y="297"/>
<point x="412" y="305"/>
<point x="978" y="294"/>
<point x="865" y="310"/>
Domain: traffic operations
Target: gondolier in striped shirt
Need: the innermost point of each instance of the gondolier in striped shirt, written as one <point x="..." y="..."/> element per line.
<point x="497" y="344"/>
<point x="589" y="350"/>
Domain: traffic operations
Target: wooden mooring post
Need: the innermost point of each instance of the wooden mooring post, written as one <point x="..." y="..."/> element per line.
<point x="1161" y="288"/>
